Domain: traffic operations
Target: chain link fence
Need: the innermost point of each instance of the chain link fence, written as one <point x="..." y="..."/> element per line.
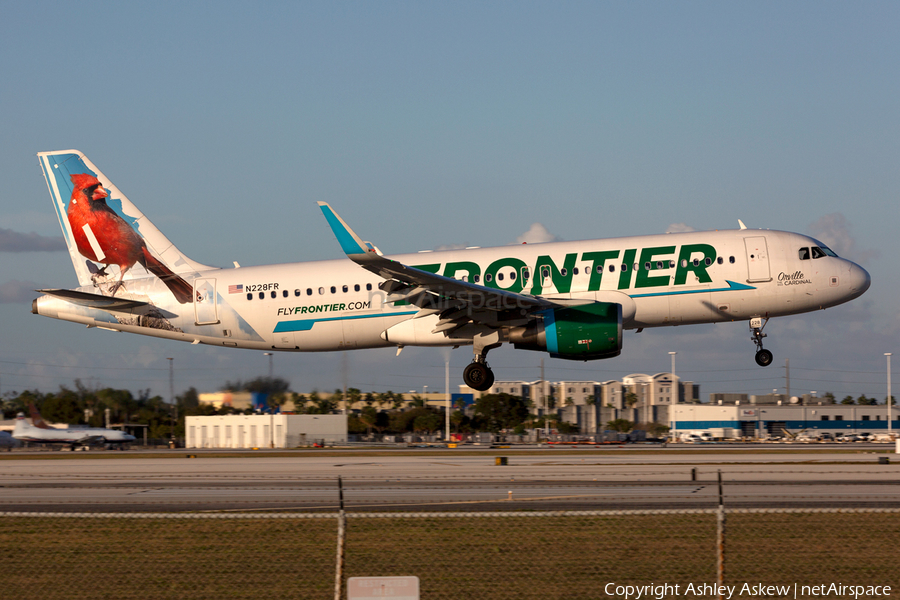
<point x="504" y="555"/>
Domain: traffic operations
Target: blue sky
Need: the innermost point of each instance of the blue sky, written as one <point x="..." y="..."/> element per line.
<point x="428" y="124"/>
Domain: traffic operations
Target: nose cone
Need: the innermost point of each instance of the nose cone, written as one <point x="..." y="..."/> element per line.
<point x="859" y="280"/>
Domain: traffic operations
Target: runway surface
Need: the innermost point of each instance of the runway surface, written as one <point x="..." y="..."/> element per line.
<point x="446" y="481"/>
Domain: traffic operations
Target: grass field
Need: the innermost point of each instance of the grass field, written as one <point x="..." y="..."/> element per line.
<point x="515" y="556"/>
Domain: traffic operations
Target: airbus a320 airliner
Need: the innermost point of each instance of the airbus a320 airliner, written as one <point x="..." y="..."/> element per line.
<point x="570" y="299"/>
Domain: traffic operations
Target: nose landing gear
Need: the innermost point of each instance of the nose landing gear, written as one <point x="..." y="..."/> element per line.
<point x="763" y="356"/>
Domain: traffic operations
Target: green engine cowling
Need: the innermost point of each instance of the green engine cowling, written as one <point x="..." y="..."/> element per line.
<point x="586" y="332"/>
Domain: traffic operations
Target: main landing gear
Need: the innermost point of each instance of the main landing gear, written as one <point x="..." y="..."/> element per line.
<point x="478" y="374"/>
<point x="763" y="356"/>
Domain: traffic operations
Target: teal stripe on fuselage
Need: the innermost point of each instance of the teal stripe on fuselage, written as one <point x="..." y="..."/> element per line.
<point x="732" y="286"/>
<point x="307" y="324"/>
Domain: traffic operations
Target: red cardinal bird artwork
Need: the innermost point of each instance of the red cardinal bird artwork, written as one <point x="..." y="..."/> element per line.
<point x="104" y="237"/>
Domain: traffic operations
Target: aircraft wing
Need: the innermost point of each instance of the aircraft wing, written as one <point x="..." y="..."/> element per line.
<point x="426" y="290"/>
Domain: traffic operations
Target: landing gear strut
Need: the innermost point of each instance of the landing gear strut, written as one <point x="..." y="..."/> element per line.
<point x="763" y="356"/>
<point x="478" y="374"/>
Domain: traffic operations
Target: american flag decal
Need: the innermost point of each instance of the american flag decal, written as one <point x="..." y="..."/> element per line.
<point x="236" y="289"/>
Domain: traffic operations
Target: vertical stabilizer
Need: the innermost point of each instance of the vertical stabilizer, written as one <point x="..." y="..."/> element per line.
<point x="36" y="419"/>
<point x="108" y="238"/>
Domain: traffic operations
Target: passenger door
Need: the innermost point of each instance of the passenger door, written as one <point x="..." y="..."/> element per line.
<point x="757" y="259"/>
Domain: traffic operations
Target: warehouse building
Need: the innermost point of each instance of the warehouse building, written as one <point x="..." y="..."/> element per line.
<point x="264" y="431"/>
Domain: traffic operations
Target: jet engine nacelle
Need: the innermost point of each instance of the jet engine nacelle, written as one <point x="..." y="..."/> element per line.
<point x="585" y="332"/>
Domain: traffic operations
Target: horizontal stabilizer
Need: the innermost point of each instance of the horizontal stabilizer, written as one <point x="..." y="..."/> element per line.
<point x="94" y="300"/>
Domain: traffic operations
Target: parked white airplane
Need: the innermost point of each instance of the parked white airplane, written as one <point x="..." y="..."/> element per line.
<point x="570" y="299"/>
<point x="38" y="431"/>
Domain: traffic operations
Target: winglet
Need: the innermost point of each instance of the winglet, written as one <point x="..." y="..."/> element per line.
<point x="350" y="243"/>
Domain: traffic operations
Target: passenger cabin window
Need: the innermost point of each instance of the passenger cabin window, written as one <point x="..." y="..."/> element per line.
<point x="262" y="295"/>
<point x="720" y="260"/>
<point x="731" y="260"/>
<point x="250" y="296"/>
<point x="804" y="253"/>
<point x="321" y="291"/>
<point x="368" y="287"/>
<point x="284" y="293"/>
<point x="345" y="289"/>
<point x="309" y="291"/>
<point x="356" y="288"/>
<point x="297" y="292"/>
<point x="333" y="290"/>
<point x="274" y="294"/>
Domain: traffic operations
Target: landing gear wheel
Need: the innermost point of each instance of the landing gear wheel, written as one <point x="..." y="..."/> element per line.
<point x="764" y="358"/>
<point x="478" y="376"/>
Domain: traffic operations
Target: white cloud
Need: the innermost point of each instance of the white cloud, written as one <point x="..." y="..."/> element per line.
<point x="20" y="292"/>
<point x="834" y="230"/>
<point x="679" y="228"/>
<point x="450" y="247"/>
<point x="537" y="234"/>
<point x="14" y="241"/>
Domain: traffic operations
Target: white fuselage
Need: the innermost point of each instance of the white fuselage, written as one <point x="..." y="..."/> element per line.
<point x="26" y="432"/>
<point x="671" y="279"/>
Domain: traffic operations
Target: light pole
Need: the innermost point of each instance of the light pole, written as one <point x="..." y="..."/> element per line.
<point x="172" y="399"/>
<point x="674" y="418"/>
<point x="889" y="411"/>
<point x="447" y="390"/>
<point x="269" y="354"/>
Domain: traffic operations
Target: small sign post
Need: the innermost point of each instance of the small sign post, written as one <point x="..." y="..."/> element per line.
<point x="395" y="588"/>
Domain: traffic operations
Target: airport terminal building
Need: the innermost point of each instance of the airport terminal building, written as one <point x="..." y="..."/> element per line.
<point x="757" y="420"/>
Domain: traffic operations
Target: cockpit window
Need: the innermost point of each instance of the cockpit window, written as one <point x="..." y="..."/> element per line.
<point x="804" y="253"/>
<point x="825" y="250"/>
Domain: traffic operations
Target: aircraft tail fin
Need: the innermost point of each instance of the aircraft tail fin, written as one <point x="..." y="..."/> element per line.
<point x="108" y="237"/>
<point x="36" y="419"/>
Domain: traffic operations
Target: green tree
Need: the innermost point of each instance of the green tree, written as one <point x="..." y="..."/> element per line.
<point x="620" y="425"/>
<point x="427" y="423"/>
<point x="353" y="396"/>
<point x="848" y="400"/>
<point x="457" y="419"/>
<point x="494" y="412"/>
<point x="566" y="427"/>
<point x="630" y="399"/>
<point x="369" y="416"/>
